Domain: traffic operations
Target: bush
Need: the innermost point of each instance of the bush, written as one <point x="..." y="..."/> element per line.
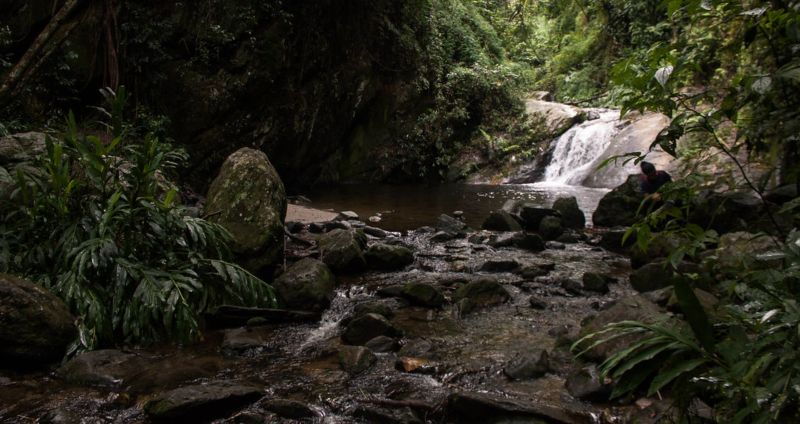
<point x="97" y="222"/>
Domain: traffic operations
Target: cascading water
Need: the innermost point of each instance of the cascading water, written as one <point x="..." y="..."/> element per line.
<point x="578" y="149"/>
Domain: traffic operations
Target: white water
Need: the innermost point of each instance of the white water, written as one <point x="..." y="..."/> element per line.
<point x="577" y="150"/>
<point x="341" y="305"/>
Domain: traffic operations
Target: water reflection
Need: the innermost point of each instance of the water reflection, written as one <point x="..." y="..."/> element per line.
<point x="406" y="207"/>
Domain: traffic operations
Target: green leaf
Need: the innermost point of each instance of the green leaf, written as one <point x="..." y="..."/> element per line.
<point x="694" y="313"/>
<point x="674" y="371"/>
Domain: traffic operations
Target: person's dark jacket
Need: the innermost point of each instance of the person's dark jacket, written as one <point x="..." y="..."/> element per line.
<point x="650" y="185"/>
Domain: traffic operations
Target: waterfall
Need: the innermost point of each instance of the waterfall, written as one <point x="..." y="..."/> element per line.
<point x="577" y="151"/>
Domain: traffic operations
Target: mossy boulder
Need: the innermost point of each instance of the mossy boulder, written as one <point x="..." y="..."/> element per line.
<point x="481" y="294"/>
<point x="550" y="228"/>
<point x="423" y="294"/>
<point x="306" y="285"/>
<point x="343" y="250"/>
<point x="249" y="200"/>
<point x="35" y="325"/>
<point x="388" y="257"/>
<point x="501" y="220"/>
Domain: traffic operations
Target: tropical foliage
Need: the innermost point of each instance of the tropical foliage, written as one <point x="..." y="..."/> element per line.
<point x="97" y="221"/>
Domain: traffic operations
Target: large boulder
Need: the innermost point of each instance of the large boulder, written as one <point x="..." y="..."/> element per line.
<point x="249" y="200"/>
<point x="306" y="285"/>
<point x="740" y="250"/>
<point x="35" y="325"/>
<point x="451" y="226"/>
<point x="556" y="118"/>
<point x="571" y="214"/>
<point x="423" y="294"/>
<point x="481" y="293"/>
<point x="738" y="211"/>
<point x="532" y="215"/>
<point x="365" y="328"/>
<point x="632" y="308"/>
<point x="343" y="250"/>
<point x="618" y="207"/>
<point x="501" y="220"/>
<point x="550" y="228"/>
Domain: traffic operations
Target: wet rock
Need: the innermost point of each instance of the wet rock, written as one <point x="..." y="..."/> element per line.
<point x="295" y="227"/>
<point x="59" y="415"/>
<point x="242" y="341"/>
<point x="395" y="290"/>
<point x="632" y="308"/>
<point x="450" y="225"/>
<point x="343" y="250"/>
<point x="528" y="241"/>
<point x="416" y="348"/>
<point x="356" y="359"/>
<point x="101" y="368"/>
<point x="531" y="271"/>
<point x="571" y="285"/>
<point x="618" y="207"/>
<point x="502" y="240"/>
<point x="35" y="325"/>
<point x="501" y="220"/>
<point x="782" y="194"/>
<point x="571" y="237"/>
<point x="347" y="216"/>
<point x="442" y="236"/>
<point x="388" y="257"/>
<point x="571" y="215"/>
<point x="202" y="401"/>
<point x="373" y="307"/>
<point x="659" y="297"/>
<point x="373" y="414"/>
<point x="367" y="327"/>
<point x="661" y="245"/>
<point x="249" y="200"/>
<point x="707" y="301"/>
<point x="596" y="282"/>
<point x="554" y="245"/>
<point x="307" y="285"/>
<point x="611" y="239"/>
<point x="481" y="294"/>
<point x="499" y="265"/>
<point x="585" y="384"/>
<point x="659" y="274"/>
<point x="550" y="227"/>
<point x="236" y="316"/>
<point x="382" y="344"/>
<point x="423" y="294"/>
<point x="337" y="225"/>
<point x="465" y="407"/>
<point x="316" y="227"/>
<point x="376" y="232"/>
<point x="479" y="238"/>
<point x="530" y="365"/>
<point x="291" y="409"/>
<point x="415" y="365"/>
<point x="556" y="118"/>
<point x="532" y="216"/>
<point x="537" y="303"/>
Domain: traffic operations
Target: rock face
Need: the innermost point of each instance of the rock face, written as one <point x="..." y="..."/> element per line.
<point x="201" y="401"/>
<point x="306" y="285"/>
<point x="571" y="215"/>
<point x="35" y="325"/>
<point x="619" y="206"/>
<point x="343" y="250"/>
<point x="249" y="200"/>
<point x="21" y="147"/>
<point x="557" y="118"/>
<point x="737" y="211"/>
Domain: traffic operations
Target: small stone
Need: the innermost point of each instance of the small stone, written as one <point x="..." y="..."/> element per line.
<point x="241" y="341"/>
<point x="533" y="364"/>
<point x="596" y="282"/>
<point x="555" y="245"/>
<point x="500" y="265"/>
<point x="375" y="232"/>
<point x="442" y="236"/>
<point x="356" y="359"/>
<point x="416" y="348"/>
<point x="374" y="219"/>
<point x="585" y="384"/>
<point x="347" y="216"/>
<point x="571" y="286"/>
<point x="382" y="344"/>
<point x="415" y="365"/>
<point x="537" y="303"/>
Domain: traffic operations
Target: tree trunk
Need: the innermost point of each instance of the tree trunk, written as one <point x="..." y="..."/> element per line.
<point x="44" y="44"/>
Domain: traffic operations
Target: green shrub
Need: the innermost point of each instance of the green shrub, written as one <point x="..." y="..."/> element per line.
<point x="97" y="221"/>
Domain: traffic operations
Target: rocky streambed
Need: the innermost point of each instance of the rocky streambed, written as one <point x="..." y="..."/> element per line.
<point x="441" y="324"/>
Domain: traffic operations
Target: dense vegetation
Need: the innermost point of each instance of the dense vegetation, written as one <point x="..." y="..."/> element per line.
<point x="436" y="78"/>
<point x="96" y="220"/>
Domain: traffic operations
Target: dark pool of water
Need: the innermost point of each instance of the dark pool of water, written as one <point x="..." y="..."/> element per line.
<point x="406" y="207"/>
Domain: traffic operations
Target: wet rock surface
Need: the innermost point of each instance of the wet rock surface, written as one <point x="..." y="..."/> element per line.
<point x="468" y="346"/>
<point x="201" y="401"/>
